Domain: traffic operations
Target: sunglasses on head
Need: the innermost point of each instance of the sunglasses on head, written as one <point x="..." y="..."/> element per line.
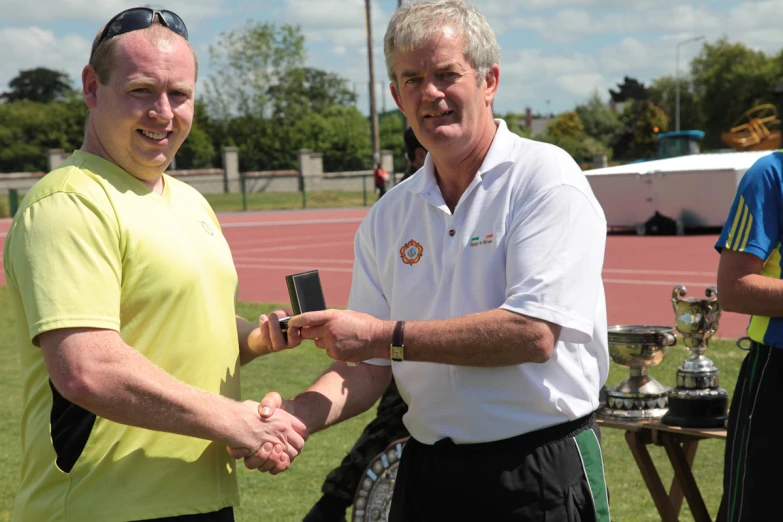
<point x="139" y="18"/>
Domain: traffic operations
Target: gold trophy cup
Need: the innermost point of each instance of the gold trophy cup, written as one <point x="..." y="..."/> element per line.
<point x="697" y="401"/>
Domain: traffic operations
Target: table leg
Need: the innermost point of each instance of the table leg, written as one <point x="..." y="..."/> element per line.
<point x="675" y="493"/>
<point x="638" y="444"/>
<point x="682" y="470"/>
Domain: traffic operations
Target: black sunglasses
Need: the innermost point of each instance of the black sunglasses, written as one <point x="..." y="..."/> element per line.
<point x="139" y="18"/>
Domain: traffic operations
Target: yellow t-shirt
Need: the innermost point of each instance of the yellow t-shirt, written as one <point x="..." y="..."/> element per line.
<point x="92" y="246"/>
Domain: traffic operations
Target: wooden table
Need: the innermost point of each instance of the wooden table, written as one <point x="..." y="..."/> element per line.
<point x="680" y="444"/>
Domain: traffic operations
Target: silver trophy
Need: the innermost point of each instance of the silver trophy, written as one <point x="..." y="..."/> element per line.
<point x="698" y="400"/>
<point x="374" y="494"/>
<point x="638" y="396"/>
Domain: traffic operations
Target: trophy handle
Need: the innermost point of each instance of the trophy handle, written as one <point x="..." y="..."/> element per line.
<point x="677" y="292"/>
<point x="667" y="339"/>
<point x="680" y="291"/>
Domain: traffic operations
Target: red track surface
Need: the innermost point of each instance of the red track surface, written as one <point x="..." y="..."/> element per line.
<point x="639" y="272"/>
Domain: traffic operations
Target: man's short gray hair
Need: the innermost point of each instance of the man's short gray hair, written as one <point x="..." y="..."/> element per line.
<point x="415" y="23"/>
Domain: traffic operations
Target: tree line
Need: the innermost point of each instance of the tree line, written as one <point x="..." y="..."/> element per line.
<point x="263" y="99"/>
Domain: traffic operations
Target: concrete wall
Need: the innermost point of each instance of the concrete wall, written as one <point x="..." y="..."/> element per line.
<point x="228" y="179"/>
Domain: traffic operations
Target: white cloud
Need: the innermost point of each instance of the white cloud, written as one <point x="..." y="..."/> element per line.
<point x="21" y="11"/>
<point x="33" y="47"/>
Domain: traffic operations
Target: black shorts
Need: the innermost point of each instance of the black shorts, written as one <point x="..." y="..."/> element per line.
<point x="751" y="476"/>
<point x="553" y="474"/>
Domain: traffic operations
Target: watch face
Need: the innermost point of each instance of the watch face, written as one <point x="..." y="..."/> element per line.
<point x="397" y="353"/>
<point x="374" y="494"/>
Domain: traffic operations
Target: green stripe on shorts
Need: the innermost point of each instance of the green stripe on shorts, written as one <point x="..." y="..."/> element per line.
<point x="593" y="464"/>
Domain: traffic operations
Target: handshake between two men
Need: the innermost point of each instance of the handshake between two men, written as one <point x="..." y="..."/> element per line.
<point x="280" y="435"/>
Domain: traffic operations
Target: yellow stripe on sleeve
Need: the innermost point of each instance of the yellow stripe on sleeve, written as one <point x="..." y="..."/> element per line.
<point x="747" y="233"/>
<point x="736" y="220"/>
<point x="741" y="228"/>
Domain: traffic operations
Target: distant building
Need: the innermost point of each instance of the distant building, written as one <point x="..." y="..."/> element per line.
<point x="536" y="125"/>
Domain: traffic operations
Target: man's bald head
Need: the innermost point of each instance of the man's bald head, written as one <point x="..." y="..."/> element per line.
<point x="104" y="55"/>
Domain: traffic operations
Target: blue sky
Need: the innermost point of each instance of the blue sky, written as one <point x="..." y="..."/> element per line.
<point x="555" y="53"/>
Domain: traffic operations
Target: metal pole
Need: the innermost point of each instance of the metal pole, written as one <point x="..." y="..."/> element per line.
<point x="13" y="201"/>
<point x="405" y="123"/>
<point x="243" y="184"/>
<point x="677" y="80"/>
<point x="376" y="138"/>
<point x="677" y="90"/>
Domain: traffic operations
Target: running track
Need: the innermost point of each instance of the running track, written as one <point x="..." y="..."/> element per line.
<point x="639" y="272"/>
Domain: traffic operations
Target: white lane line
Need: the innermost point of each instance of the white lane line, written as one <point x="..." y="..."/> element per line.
<point x="291" y="223"/>
<point x="299" y="239"/>
<point x="293" y="267"/>
<point x="660" y="283"/>
<point x="293" y="247"/>
<point x="658" y="272"/>
<point x="291" y="260"/>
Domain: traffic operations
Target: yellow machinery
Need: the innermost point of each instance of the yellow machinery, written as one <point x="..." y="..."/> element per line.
<point x="757" y="129"/>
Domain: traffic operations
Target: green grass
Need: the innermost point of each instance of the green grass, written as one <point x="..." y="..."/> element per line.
<point x="269" y="200"/>
<point x="287" y="497"/>
<point x="291" y="200"/>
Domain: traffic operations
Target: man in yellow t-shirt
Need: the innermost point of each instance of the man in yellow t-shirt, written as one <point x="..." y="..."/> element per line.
<point x="123" y="287"/>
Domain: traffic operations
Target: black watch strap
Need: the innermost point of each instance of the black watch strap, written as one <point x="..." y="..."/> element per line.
<point x="397" y="349"/>
<point x="399" y="328"/>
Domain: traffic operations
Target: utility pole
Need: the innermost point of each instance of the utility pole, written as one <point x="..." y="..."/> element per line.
<point x="376" y="138"/>
<point x="677" y="80"/>
<point x="405" y="123"/>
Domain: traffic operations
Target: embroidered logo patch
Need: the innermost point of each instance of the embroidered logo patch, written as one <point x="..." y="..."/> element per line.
<point x="477" y="241"/>
<point x="411" y="252"/>
<point x="207" y="228"/>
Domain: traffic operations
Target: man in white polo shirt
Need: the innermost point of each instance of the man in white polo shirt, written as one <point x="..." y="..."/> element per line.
<point x="478" y="283"/>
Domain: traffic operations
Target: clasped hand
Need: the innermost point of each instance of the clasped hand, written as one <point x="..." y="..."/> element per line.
<point x="279" y="437"/>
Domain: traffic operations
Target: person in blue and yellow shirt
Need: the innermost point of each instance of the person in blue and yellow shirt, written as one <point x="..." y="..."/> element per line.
<point x="750" y="282"/>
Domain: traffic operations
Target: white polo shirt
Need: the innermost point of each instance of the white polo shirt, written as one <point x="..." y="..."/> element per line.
<point x="526" y="236"/>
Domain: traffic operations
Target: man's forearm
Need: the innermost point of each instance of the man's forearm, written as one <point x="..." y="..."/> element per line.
<point x="492" y="338"/>
<point x="245" y="330"/>
<point x="117" y="383"/>
<point x="340" y="393"/>
<point x="752" y="294"/>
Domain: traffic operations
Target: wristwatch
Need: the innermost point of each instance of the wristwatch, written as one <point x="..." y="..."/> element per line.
<point x="397" y="348"/>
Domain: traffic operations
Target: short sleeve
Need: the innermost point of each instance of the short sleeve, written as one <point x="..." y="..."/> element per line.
<point x="64" y="257"/>
<point x="753" y="223"/>
<point x="554" y="261"/>
<point x="366" y="289"/>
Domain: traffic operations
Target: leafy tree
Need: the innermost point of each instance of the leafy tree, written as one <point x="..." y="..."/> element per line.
<point x="514" y="122"/>
<point x="248" y="62"/>
<point x="600" y="121"/>
<point x="38" y="85"/>
<point x="663" y="93"/>
<point x="349" y="145"/>
<point x="566" y="124"/>
<point x="639" y="138"/>
<point x="28" y="129"/>
<point x="629" y="89"/>
<point x="568" y="133"/>
<point x="263" y="99"/>
<point x="199" y="150"/>
<point x="307" y="89"/>
<point x="729" y="79"/>
<point x="391" y="133"/>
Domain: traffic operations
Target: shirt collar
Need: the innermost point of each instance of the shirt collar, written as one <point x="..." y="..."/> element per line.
<point x="499" y="153"/>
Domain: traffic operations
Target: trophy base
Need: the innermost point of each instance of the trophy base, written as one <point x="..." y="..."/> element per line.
<point x="635" y="405"/>
<point x="700" y="408"/>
